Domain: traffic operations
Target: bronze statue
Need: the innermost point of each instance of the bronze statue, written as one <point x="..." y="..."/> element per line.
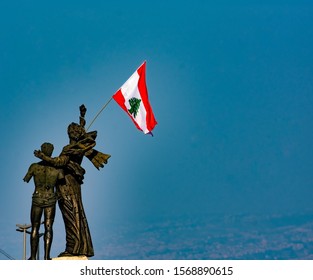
<point x="81" y="143"/>
<point x="43" y="200"/>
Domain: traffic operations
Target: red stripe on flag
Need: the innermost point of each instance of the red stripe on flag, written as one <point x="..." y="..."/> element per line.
<point x="142" y="86"/>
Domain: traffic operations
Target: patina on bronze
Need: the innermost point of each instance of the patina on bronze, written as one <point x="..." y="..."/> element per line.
<point x="44" y="198"/>
<point x="81" y="144"/>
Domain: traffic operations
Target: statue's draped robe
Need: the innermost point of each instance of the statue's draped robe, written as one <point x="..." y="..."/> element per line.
<point x="78" y="238"/>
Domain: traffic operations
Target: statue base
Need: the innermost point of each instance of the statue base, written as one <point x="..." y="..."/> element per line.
<point x="70" y="258"/>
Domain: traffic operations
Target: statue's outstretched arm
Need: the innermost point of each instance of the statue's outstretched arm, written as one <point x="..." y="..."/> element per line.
<point x="59" y="161"/>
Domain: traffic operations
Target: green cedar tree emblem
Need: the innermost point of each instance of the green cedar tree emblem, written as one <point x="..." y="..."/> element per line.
<point x="134" y="106"/>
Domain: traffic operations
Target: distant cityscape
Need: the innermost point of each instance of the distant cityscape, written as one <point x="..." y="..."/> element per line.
<point x="242" y="237"/>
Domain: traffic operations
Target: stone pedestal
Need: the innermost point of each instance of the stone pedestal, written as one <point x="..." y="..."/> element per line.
<point x="71" y="258"/>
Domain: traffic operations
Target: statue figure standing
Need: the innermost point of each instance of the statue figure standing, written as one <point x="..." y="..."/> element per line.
<point x="81" y="143"/>
<point x="43" y="200"/>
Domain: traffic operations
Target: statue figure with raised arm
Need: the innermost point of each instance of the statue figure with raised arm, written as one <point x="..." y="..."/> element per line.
<point x="81" y="144"/>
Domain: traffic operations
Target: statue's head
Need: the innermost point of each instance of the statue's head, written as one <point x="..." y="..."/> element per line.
<point x="47" y="149"/>
<point x="75" y="131"/>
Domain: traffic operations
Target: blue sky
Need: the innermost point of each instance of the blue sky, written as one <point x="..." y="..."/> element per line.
<point x="230" y="84"/>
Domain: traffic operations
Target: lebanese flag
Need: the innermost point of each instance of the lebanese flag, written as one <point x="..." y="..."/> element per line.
<point x="133" y="98"/>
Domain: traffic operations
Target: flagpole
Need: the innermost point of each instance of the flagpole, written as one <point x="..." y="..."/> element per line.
<point x="106" y="104"/>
